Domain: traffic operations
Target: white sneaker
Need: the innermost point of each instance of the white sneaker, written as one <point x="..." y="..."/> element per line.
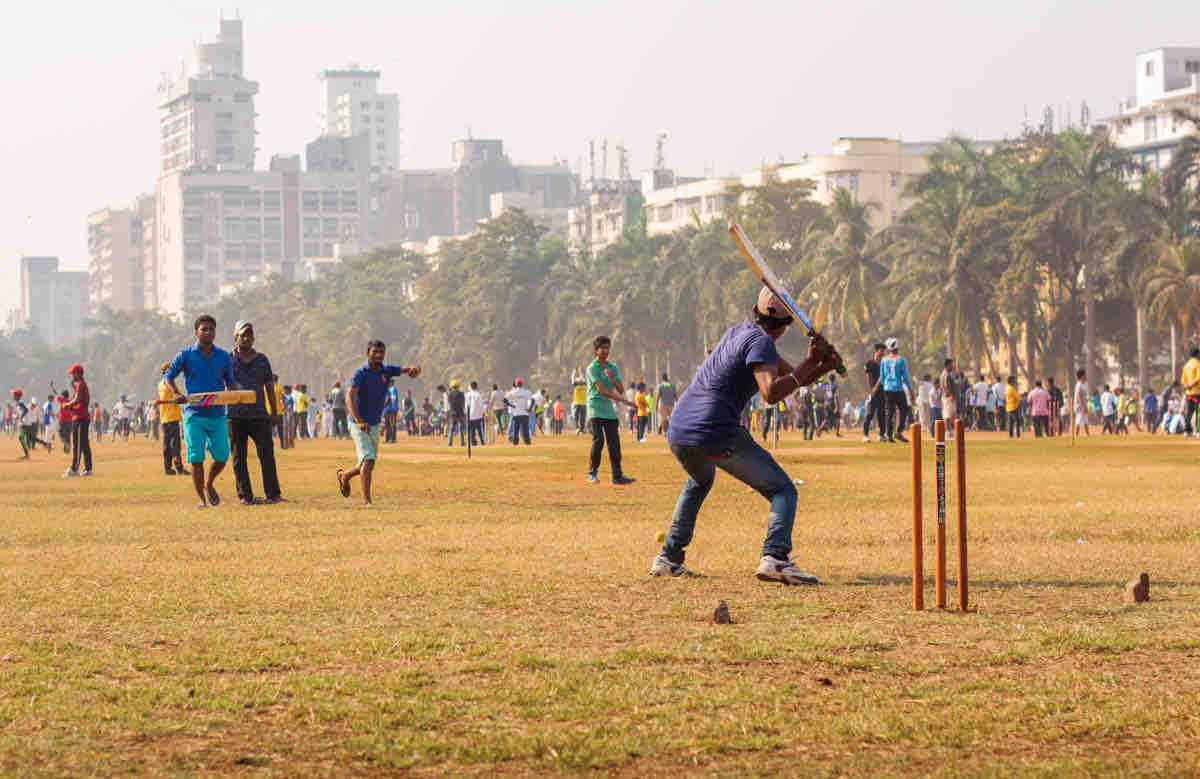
<point x="866" y="439"/>
<point x="70" y="474"/>
<point x="771" y="569"/>
<point x="662" y="566"/>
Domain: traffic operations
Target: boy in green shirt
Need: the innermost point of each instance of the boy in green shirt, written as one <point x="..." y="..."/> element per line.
<point x="605" y="388"/>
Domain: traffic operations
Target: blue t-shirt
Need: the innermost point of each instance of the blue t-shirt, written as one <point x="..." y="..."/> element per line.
<point x="709" y="411"/>
<point x="372" y="389"/>
<point x="203" y="374"/>
<point x="1151" y="401"/>
<point x="893" y="372"/>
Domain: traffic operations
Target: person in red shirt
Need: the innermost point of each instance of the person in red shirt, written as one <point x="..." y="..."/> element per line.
<point x="81" y="443"/>
<point x="66" y="417"/>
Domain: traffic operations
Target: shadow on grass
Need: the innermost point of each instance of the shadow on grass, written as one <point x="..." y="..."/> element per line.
<point x="868" y="581"/>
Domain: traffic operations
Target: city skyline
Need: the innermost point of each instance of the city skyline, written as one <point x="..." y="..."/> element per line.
<point x="810" y="74"/>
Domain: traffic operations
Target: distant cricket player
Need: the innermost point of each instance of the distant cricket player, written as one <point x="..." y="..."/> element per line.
<point x="705" y="434"/>
<point x="206" y="368"/>
<point x="368" y="394"/>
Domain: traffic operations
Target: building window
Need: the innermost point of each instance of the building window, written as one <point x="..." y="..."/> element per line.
<point x="1151" y="128"/>
<point x="193" y="228"/>
<point x="250" y="200"/>
<point x="329" y="200"/>
<point x="272" y="230"/>
<point x="364" y="105"/>
<point x="224" y="117"/>
<point x="326" y="250"/>
<point x="1149" y="67"/>
<point x="312" y="249"/>
<point x="895" y="180"/>
<point x="366" y="118"/>
<point x="379" y="105"/>
<point x="271" y="252"/>
<point x="312" y="200"/>
<point x="231" y="199"/>
<point x="233" y="228"/>
<point x="253" y="227"/>
<point x="329" y="225"/>
<point x="349" y="202"/>
<point x="241" y="97"/>
<point x="312" y="227"/>
<point x="271" y="200"/>
<point x="193" y="199"/>
<point x="233" y="252"/>
<point x="193" y="251"/>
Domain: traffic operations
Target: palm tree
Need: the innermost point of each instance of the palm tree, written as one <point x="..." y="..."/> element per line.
<point x="849" y="272"/>
<point x="1172" y="286"/>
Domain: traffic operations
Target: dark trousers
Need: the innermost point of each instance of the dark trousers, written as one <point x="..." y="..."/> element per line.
<point x="389" y="427"/>
<point x="519" y="429"/>
<point x="896" y="402"/>
<point x="642" y="424"/>
<point x="1041" y="425"/>
<point x="580" y="413"/>
<point x="458" y="425"/>
<point x="875" y="410"/>
<point x="475" y="428"/>
<point x="340" y="430"/>
<point x="1189" y="412"/>
<point x="172" y="450"/>
<point x="240" y="432"/>
<point x="1014" y="423"/>
<point x="602" y="430"/>
<point x="81" y="445"/>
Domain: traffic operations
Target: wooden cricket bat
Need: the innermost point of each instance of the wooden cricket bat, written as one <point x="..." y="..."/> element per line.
<point x="770" y="280"/>
<point x="220" y="398"/>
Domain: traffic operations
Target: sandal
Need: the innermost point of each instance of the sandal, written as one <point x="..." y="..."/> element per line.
<point x="213" y="498"/>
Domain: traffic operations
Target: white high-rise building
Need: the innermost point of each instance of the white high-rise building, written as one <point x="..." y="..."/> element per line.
<point x="207" y="119"/>
<point x="1166" y="79"/>
<point x="351" y="105"/>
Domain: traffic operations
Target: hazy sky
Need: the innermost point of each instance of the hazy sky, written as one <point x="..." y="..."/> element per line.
<point x="732" y="83"/>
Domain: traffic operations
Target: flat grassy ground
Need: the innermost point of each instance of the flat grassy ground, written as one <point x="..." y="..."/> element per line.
<point x="495" y="616"/>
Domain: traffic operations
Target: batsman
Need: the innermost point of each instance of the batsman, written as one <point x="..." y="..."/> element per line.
<point x="706" y="434"/>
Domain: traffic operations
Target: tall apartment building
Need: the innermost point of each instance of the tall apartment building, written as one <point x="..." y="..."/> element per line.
<point x="207" y="109"/>
<point x="54" y="303"/>
<point x="1166" y="79"/>
<point x="221" y="229"/>
<point x="145" y="207"/>
<point x="352" y="105"/>
<point x="115" y="272"/>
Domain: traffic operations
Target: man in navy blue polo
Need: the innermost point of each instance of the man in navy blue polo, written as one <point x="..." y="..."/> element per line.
<point x="206" y="368"/>
<point x="367" y="397"/>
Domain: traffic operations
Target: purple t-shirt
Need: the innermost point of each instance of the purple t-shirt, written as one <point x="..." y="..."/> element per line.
<point x="711" y="407"/>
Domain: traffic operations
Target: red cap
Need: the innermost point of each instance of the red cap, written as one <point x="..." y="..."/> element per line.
<point x="76" y="368"/>
<point x="337" y="384"/>
<point x="17" y="393"/>
<point x="516" y="382"/>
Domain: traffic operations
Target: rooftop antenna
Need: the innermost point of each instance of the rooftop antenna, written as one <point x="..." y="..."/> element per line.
<point x="592" y="162"/>
<point x="604" y="158"/>
<point x="660" y="156"/>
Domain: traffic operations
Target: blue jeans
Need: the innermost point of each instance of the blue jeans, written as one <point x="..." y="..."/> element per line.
<point x="935" y="415"/>
<point x="518" y="428"/>
<point x="746" y="461"/>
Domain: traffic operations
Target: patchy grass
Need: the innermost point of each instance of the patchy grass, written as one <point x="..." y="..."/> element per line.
<point x="494" y="616"/>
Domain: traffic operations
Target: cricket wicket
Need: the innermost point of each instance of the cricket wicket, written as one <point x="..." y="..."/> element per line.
<point x="960" y="465"/>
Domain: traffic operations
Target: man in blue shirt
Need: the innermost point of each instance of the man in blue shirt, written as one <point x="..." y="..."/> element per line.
<point x="390" y="409"/>
<point x="705" y="435"/>
<point x="367" y="397"/>
<point x="206" y="368"/>
<point x="894" y="379"/>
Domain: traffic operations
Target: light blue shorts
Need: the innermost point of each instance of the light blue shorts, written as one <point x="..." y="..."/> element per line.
<point x="365" y="444"/>
<point x="199" y="431"/>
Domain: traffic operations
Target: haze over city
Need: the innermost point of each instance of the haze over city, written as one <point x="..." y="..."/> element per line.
<point x="733" y="85"/>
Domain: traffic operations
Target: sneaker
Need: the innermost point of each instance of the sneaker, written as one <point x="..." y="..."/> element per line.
<point x="866" y="439"/>
<point x="900" y="437"/>
<point x="592" y="479"/>
<point x="70" y="474"/>
<point x="624" y="480"/>
<point x="771" y="569"/>
<point x="88" y="472"/>
<point x="662" y="566"/>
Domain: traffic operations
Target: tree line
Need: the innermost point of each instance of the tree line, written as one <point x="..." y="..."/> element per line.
<point x="1043" y="254"/>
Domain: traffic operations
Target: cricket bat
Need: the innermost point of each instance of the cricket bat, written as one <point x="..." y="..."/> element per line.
<point x="771" y="281"/>
<point x="220" y="398"/>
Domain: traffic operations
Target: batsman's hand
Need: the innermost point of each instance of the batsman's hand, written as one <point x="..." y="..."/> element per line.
<point x="412" y="371"/>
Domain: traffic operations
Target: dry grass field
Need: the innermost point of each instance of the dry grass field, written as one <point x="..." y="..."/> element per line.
<point x="495" y="616"/>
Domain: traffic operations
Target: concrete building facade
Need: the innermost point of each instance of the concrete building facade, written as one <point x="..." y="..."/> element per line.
<point x="219" y="230"/>
<point x="1166" y="79"/>
<point x="207" y="110"/>
<point x="54" y="303"/>
<point x="352" y="106"/>
<point x="601" y="214"/>
<point x="115" y="271"/>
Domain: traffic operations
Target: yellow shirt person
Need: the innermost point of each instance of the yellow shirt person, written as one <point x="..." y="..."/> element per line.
<point x="1191" y="376"/>
<point x="1012" y="398"/>
<point x="643" y="404"/>
<point x="169" y="410"/>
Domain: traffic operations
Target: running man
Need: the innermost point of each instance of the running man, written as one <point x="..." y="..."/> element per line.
<point x="368" y="393"/>
<point x="206" y="368"/>
<point x="705" y="435"/>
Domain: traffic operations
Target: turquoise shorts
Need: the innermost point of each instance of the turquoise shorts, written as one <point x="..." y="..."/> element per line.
<point x="199" y="432"/>
<point x="365" y="444"/>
